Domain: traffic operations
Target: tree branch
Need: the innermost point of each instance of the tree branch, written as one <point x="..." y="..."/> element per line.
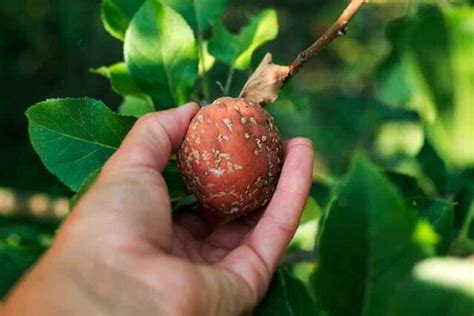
<point x="338" y="29"/>
<point x="268" y="79"/>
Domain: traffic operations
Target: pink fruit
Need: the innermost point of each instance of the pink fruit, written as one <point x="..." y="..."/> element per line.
<point x="231" y="156"/>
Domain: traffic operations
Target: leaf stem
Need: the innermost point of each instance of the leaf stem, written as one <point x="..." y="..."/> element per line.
<point x="338" y="29"/>
<point x="228" y="82"/>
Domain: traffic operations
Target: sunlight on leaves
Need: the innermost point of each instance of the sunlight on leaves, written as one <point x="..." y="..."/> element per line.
<point x="160" y="51"/>
<point x="237" y="50"/>
<point x="365" y="245"/>
<point x="438" y="286"/>
<point x="116" y="15"/>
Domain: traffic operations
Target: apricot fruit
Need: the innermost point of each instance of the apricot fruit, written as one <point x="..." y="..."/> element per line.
<point x="232" y="156"/>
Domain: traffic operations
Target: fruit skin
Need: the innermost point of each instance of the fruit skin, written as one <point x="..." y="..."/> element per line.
<point x="231" y="157"/>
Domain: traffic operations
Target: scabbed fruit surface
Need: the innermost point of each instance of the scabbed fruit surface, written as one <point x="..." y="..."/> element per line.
<point x="231" y="156"/>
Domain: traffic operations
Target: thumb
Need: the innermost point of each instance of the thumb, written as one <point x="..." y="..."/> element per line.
<point x="152" y="140"/>
<point x="130" y="190"/>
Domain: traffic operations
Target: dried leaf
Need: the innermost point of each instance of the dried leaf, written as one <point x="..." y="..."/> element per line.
<point x="265" y="83"/>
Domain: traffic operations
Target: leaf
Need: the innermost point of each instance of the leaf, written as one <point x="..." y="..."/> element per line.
<point x="331" y="117"/>
<point x="120" y="79"/>
<point x="74" y="137"/>
<point x="311" y="211"/>
<point x="176" y="187"/>
<point x="208" y="60"/>
<point x="433" y="167"/>
<point x="464" y="211"/>
<point x="237" y="50"/>
<point x="440" y="215"/>
<point x="440" y="78"/>
<point x="199" y="14"/>
<point x="406" y="185"/>
<point x="20" y="247"/>
<point x="136" y="106"/>
<point x="160" y="51"/>
<point x="369" y="241"/>
<point x="438" y="286"/>
<point x="287" y="296"/>
<point x="116" y="15"/>
<point x="184" y="204"/>
<point x="86" y="184"/>
<point x="321" y="193"/>
<point x="265" y="83"/>
<point x="391" y="84"/>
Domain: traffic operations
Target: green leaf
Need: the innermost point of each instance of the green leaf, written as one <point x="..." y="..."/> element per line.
<point x="237" y="50"/>
<point x="74" y="137"/>
<point x="184" y="204"/>
<point x="311" y="211"/>
<point x="136" y="105"/>
<point x="440" y="215"/>
<point x="391" y="84"/>
<point x="321" y="193"/>
<point x="369" y="241"/>
<point x="176" y="187"/>
<point x="464" y="211"/>
<point x="160" y="51"/>
<point x="199" y="14"/>
<point x="120" y="79"/>
<point x="116" y="15"/>
<point x="406" y="184"/>
<point x="439" y="76"/>
<point x="86" y="184"/>
<point x="437" y="287"/>
<point x="332" y="117"/>
<point x="207" y="61"/>
<point x="433" y="167"/>
<point x="21" y="244"/>
<point x="287" y="296"/>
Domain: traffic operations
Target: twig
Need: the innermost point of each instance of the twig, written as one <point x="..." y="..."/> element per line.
<point x="338" y="29"/>
<point x="228" y="82"/>
<point x="221" y="86"/>
<point x="268" y="79"/>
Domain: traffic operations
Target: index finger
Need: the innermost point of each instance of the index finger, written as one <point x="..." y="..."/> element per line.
<point x="281" y="218"/>
<point x="153" y="138"/>
<point x="258" y="256"/>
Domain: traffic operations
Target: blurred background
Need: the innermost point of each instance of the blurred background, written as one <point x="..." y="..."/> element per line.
<point x="352" y="97"/>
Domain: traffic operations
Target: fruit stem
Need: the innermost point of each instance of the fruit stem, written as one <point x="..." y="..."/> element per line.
<point x="338" y="29"/>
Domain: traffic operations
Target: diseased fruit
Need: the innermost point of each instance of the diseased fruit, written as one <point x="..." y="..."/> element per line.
<point x="231" y="156"/>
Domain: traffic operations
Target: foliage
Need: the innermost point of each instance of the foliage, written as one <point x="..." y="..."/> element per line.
<point x="396" y="219"/>
<point x="382" y="240"/>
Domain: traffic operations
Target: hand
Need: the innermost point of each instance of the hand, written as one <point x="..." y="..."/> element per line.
<point x="121" y="253"/>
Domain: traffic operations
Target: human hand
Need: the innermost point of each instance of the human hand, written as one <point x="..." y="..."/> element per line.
<point x="120" y="251"/>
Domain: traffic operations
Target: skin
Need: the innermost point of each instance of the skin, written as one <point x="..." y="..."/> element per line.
<point x="121" y="252"/>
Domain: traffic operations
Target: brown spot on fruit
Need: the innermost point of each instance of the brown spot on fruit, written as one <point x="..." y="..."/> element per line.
<point x="235" y="179"/>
